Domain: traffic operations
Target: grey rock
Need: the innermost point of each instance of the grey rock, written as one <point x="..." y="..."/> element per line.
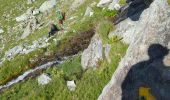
<point x="114" y="6"/>
<point x="76" y="4"/>
<point x="36" y="11"/>
<point x="10" y="54"/>
<point x="71" y="85"/>
<point x="89" y="12"/>
<point x="1" y="30"/>
<point x="25" y="16"/>
<point x="27" y="31"/>
<point x="104" y="3"/>
<point x="43" y="79"/>
<point x="152" y="27"/>
<point x="21" y="18"/>
<point x="93" y="54"/>
<point x="31" y="27"/>
<point x="30" y="1"/>
<point x="107" y="52"/>
<point x="47" y="5"/>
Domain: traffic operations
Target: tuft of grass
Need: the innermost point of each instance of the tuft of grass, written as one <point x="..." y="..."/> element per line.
<point x="168" y="2"/>
<point x="103" y="30"/>
<point x="122" y="2"/>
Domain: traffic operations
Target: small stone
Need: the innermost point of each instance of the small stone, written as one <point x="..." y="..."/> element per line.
<point x="1" y="31"/>
<point x="89" y="12"/>
<point x="43" y="79"/>
<point x="104" y="3"/>
<point x="36" y="11"/>
<point x="71" y="85"/>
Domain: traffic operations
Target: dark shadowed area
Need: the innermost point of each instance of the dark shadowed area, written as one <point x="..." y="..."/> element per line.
<point x="133" y="10"/>
<point x="152" y="74"/>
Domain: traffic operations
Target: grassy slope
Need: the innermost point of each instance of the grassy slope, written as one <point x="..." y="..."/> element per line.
<point x="89" y="83"/>
<point x="12" y="68"/>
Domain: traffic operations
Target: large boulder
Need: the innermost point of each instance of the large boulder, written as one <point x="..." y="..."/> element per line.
<point x="146" y="61"/>
<point x="93" y="54"/>
<point x="47" y="5"/>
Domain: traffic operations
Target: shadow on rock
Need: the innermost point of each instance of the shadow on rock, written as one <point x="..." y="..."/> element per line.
<point x="133" y="10"/>
<point x="148" y="80"/>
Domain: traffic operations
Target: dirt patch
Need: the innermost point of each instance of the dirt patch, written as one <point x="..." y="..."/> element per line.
<point x="66" y="48"/>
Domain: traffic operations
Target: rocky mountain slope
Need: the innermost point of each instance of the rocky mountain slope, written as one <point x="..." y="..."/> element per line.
<point x="99" y="38"/>
<point x="34" y="66"/>
<point x="146" y="63"/>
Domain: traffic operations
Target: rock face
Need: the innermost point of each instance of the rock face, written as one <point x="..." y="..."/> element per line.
<point x="146" y="61"/>
<point x="71" y="85"/>
<point x="93" y="54"/>
<point x="43" y="79"/>
<point x="47" y="5"/>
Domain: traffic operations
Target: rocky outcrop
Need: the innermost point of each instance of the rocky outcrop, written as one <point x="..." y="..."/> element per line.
<point x="89" y="12"/>
<point x="149" y="38"/>
<point x="93" y="54"/>
<point x="47" y="5"/>
<point x="25" y="49"/>
<point x="31" y="27"/>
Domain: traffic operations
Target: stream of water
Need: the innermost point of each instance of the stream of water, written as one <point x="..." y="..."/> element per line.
<point x="27" y="73"/>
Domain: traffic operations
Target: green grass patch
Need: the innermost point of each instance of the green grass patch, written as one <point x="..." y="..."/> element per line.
<point x="168" y="2"/>
<point x="89" y="84"/>
<point x="122" y="2"/>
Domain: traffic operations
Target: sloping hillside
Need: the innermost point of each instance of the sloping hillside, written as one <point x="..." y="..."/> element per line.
<point x="27" y="53"/>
